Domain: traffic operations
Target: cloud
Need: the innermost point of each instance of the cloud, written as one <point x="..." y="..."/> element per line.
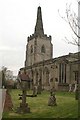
<point x="7" y="48"/>
<point x="17" y="21"/>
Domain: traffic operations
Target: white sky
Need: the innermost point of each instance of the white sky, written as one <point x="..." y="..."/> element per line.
<point x="17" y="22"/>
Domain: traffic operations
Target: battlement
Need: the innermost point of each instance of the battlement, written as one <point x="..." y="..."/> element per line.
<point x="47" y="37"/>
<point x="35" y="36"/>
<point x="39" y="30"/>
<point x="30" y="37"/>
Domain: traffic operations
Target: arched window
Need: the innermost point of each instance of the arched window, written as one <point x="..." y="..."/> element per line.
<point x="43" y="49"/>
<point x="46" y="72"/>
<point x="31" y="49"/>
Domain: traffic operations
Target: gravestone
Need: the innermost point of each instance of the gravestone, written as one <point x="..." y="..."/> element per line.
<point x="24" y="79"/>
<point x="23" y="108"/>
<point x="52" y="98"/>
<point x="52" y="101"/>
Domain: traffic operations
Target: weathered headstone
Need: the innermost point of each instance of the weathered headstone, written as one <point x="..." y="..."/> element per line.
<point x="24" y="80"/>
<point x="52" y="98"/>
<point x="23" y="108"/>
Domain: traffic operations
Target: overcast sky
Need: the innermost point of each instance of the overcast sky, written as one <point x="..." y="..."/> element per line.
<point x="17" y="22"/>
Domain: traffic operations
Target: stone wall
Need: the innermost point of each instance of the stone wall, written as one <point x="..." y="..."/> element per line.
<point x="48" y="71"/>
<point x="63" y="87"/>
<point x="37" y="56"/>
<point x="0" y="79"/>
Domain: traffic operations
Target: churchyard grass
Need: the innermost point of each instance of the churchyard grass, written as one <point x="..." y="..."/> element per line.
<point x="67" y="106"/>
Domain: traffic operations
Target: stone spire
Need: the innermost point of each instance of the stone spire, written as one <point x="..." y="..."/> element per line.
<point x="39" y="31"/>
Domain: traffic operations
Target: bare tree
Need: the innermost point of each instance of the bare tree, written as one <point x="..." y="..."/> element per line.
<point x="7" y="76"/>
<point x="74" y="22"/>
<point x="4" y="69"/>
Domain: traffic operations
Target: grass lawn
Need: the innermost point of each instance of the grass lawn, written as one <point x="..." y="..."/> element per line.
<point x="67" y="106"/>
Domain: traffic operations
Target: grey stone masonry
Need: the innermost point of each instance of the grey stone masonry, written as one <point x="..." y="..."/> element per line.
<point x="39" y="31"/>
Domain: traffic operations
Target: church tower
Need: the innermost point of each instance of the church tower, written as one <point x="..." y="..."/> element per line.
<point x="39" y="47"/>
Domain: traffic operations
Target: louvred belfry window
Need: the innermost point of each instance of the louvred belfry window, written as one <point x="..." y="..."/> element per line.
<point x="43" y="49"/>
<point x="31" y="49"/>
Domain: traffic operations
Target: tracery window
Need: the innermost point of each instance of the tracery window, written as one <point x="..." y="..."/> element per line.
<point x="76" y="76"/>
<point x="62" y="73"/>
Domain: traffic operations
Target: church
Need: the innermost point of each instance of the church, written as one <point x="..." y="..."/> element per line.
<point x="44" y="70"/>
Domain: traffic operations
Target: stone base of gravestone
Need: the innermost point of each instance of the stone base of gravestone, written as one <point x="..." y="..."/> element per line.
<point x="52" y="101"/>
<point x="8" y="105"/>
<point x="23" y="108"/>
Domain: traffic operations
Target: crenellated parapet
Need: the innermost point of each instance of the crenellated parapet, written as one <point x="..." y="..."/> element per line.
<point x="47" y="37"/>
<point x="39" y="30"/>
<point x="36" y="36"/>
<point x="30" y="37"/>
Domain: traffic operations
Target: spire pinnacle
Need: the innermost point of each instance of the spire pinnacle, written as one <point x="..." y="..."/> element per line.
<point x="39" y="31"/>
